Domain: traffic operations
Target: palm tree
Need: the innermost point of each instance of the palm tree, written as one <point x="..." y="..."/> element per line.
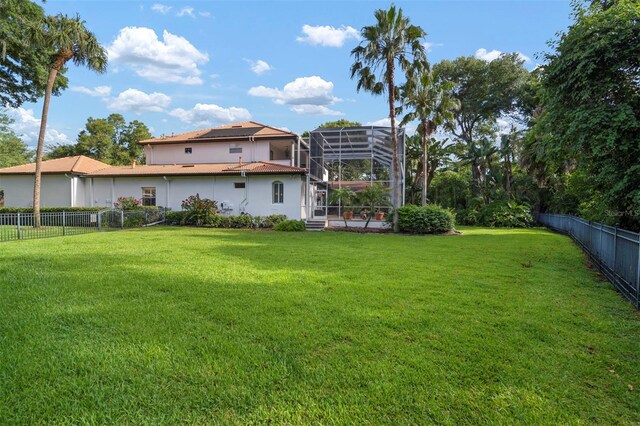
<point x="391" y="40"/>
<point x="428" y="99"/>
<point x="69" y="38"/>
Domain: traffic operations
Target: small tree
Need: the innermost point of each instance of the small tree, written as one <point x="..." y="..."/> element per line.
<point x="344" y="197"/>
<point x="373" y="196"/>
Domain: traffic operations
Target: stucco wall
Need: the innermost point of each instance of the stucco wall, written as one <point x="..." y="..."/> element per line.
<point x="18" y="190"/>
<point x="218" y="152"/>
<point x="257" y="192"/>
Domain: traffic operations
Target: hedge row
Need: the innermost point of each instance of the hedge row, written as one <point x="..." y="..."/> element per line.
<point x="218" y="221"/>
<point x="429" y="219"/>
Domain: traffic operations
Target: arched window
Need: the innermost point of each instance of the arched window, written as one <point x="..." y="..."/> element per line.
<point x="277" y="191"/>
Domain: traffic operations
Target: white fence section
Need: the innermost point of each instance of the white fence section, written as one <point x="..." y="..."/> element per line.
<point x="614" y="251"/>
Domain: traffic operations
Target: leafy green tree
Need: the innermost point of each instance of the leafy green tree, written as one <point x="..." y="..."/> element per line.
<point x="343" y="122"/>
<point x="391" y="42"/>
<point x="13" y="151"/>
<point x="486" y="91"/>
<point x="70" y="41"/>
<point x="111" y="140"/>
<point x="428" y="99"/>
<point x="23" y="64"/>
<point x="591" y="104"/>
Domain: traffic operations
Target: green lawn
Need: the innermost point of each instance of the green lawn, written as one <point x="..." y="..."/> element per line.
<point x="175" y="325"/>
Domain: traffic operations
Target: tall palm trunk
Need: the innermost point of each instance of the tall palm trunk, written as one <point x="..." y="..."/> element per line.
<point x="425" y="162"/>
<point x="61" y="59"/>
<point x="395" y="189"/>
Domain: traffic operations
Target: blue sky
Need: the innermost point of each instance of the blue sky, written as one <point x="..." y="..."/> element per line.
<point x="180" y="66"/>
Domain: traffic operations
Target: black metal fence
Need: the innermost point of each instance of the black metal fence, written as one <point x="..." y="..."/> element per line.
<point x="20" y="226"/>
<point x="614" y="251"/>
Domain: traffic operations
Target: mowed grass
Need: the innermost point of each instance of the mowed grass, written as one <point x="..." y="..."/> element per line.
<point x="204" y="326"/>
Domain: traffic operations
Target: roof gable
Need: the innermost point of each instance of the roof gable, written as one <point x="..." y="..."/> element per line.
<point x="230" y="132"/>
<point x="78" y="164"/>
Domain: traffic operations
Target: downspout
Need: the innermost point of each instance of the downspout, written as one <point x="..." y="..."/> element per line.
<point x="298" y="165"/>
<point x="167" y="204"/>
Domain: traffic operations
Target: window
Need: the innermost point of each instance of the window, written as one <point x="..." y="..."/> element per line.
<point x="149" y="196"/>
<point x="1" y="198"/>
<point x="238" y="185"/>
<point x="278" y="192"/>
<point x="235" y="149"/>
<point x="188" y="150"/>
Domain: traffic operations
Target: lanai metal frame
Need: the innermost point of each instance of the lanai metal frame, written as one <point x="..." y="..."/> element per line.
<point x="339" y="146"/>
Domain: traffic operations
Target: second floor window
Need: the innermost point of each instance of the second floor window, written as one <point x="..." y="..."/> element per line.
<point x="188" y="150"/>
<point x="149" y="196"/>
<point x="235" y="149"/>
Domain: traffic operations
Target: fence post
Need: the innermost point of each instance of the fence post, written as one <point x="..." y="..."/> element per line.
<point x="99" y="221"/>
<point x="122" y="219"/>
<point x="19" y="232"/>
<point x="615" y="247"/>
<point x="64" y="223"/>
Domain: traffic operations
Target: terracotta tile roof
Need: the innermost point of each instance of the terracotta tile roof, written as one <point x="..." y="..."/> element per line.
<point x="77" y="165"/>
<point x="256" y="168"/>
<point x="229" y="132"/>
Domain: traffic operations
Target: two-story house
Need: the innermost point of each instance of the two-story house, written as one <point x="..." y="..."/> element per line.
<point x="246" y="167"/>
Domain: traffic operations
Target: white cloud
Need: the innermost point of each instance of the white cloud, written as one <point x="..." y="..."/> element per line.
<point x="429" y="46"/>
<point x="259" y="66"/>
<point x="138" y="101"/>
<point x="410" y="128"/>
<point x="210" y="114"/>
<point x="27" y="126"/>
<point x="98" y="91"/>
<point x="491" y="55"/>
<point x="314" y="110"/>
<point x="186" y="11"/>
<point x="301" y="91"/>
<point x="172" y="60"/>
<point x="204" y="13"/>
<point x="161" y="8"/>
<point x="327" y="36"/>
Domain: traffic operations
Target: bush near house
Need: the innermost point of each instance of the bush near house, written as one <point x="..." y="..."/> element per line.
<point x="128" y="203"/>
<point x="429" y="219"/>
<point x="199" y="211"/>
<point x="290" y="226"/>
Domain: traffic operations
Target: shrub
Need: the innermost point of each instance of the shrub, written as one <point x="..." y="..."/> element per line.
<point x="272" y="220"/>
<point x="175" y="217"/>
<point x="507" y="214"/>
<point x="199" y="211"/>
<point x="127" y="203"/>
<point x="429" y="219"/>
<point x="290" y="226"/>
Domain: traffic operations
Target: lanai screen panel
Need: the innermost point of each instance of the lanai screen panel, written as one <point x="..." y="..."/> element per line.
<point x="333" y="149"/>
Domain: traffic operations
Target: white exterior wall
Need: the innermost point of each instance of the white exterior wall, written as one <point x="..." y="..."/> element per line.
<point x="104" y="191"/>
<point x="55" y="191"/>
<point x="206" y="152"/>
<point x="171" y="192"/>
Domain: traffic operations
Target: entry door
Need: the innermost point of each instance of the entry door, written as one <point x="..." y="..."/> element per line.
<point x="320" y="204"/>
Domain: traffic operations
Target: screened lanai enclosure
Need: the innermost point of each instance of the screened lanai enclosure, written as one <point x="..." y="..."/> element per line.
<point x="351" y="157"/>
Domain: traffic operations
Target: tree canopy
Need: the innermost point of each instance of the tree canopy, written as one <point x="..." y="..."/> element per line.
<point x="13" y="151"/>
<point x="23" y="63"/>
<point x="111" y="140"/>
<point x="591" y="105"/>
